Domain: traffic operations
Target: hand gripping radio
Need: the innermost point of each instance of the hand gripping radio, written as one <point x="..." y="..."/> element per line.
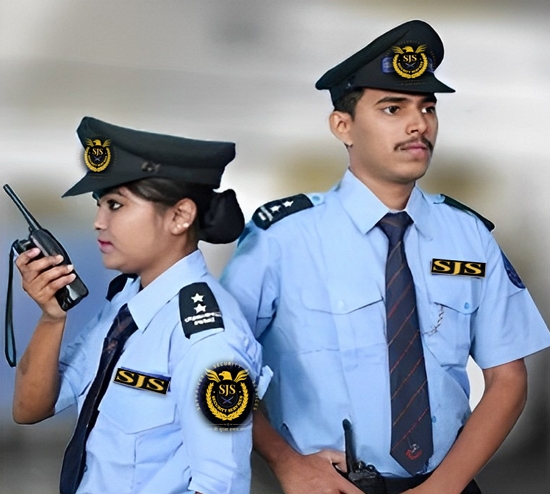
<point x="67" y="297"/>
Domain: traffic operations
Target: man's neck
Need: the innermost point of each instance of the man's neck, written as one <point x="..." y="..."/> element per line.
<point x="393" y="195"/>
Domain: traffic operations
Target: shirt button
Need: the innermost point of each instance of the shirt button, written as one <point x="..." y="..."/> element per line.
<point x="466" y="305"/>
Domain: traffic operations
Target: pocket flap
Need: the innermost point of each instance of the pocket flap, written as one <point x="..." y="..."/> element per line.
<point x="460" y="294"/>
<point x="341" y="300"/>
<point x="134" y="410"/>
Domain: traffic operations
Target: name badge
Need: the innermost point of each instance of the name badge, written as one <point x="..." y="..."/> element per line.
<point x="458" y="268"/>
<point x="134" y="379"/>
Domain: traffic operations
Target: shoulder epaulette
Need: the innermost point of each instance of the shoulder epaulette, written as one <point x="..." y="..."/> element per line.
<point x="117" y="284"/>
<point x="456" y="204"/>
<point x="274" y="211"/>
<point x="199" y="309"/>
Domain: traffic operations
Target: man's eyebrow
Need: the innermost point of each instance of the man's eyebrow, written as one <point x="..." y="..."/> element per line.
<point x="392" y="99"/>
<point x="429" y="98"/>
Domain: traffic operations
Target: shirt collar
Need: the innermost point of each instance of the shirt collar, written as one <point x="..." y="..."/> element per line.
<point x="147" y="302"/>
<point x="366" y="210"/>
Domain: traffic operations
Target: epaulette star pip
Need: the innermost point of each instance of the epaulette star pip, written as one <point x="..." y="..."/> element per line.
<point x="199" y="309"/>
<point x="274" y="211"/>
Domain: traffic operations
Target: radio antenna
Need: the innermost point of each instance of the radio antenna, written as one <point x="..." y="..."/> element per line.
<point x="33" y="224"/>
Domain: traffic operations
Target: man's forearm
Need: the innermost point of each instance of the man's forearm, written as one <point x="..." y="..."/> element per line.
<point x="268" y="442"/>
<point x="491" y="421"/>
<point x="297" y="473"/>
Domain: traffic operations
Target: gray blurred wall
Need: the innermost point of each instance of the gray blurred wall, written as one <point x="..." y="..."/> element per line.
<point x="244" y="70"/>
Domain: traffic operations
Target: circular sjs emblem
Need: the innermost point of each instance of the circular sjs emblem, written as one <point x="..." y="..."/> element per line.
<point x="226" y="395"/>
<point x="512" y="273"/>
<point x="97" y="154"/>
<point x="408" y="62"/>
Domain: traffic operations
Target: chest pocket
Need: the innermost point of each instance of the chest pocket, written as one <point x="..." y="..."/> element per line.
<point x="344" y="317"/>
<point x="448" y="318"/>
<point x="135" y="410"/>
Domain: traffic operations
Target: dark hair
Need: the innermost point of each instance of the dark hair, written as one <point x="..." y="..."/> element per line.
<point x="348" y="102"/>
<point x="165" y="192"/>
<point x="219" y="217"/>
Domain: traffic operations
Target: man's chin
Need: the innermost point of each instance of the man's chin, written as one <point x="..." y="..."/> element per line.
<point x="410" y="176"/>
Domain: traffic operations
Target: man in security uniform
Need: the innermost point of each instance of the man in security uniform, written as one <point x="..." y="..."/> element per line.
<point x="369" y="300"/>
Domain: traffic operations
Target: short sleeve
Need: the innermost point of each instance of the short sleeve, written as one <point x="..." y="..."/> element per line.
<point x="219" y="458"/>
<point x="77" y="364"/>
<point x="507" y="325"/>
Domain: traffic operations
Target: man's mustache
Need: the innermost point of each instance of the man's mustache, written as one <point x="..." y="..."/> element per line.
<point x="423" y="140"/>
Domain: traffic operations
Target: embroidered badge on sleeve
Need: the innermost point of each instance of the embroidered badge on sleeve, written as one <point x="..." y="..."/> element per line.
<point x="512" y="274"/>
<point x="226" y="395"/>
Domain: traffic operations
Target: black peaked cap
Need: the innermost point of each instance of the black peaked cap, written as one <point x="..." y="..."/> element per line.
<point x="402" y="59"/>
<point x="116" y="155"/>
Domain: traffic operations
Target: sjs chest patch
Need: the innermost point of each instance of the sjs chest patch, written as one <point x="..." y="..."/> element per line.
<point x="135" y="379"/>
<point x="458" y="268"/>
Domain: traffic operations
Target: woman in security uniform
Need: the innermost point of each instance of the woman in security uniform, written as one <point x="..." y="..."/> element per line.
<point x="166" y="407"/>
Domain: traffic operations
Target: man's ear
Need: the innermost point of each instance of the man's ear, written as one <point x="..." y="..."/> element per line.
<point x="182" y="216"/>
<point x="340" y="125"/>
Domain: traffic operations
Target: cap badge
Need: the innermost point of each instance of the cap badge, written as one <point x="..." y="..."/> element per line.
<point x="408" y="62"/>
<point x="97" y="155"/>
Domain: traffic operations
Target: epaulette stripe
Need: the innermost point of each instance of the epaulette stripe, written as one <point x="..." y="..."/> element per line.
<point x="458" y="205"/>
<point x="117" y="284"/>
<point x="274" y="211"/>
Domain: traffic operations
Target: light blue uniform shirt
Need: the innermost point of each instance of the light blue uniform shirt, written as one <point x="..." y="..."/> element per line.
<point x="312" y="287"/>
<point x="149" y="443"/>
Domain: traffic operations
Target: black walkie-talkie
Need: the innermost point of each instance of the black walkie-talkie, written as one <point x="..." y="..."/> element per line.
<point x="68" y="296"/>
<point x="363" y="476"/>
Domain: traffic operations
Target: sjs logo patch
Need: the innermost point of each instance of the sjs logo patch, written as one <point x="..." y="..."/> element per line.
<point x="458" y="268"/>
<point x="134" y="379"/>
<point x="226" y="395"/>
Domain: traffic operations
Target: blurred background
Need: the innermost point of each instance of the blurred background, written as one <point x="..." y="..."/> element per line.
<point x="244" y="71"/>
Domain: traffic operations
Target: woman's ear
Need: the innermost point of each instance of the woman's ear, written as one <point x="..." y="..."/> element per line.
<point x="182" y="216"/>
<point x="340" y="125"/>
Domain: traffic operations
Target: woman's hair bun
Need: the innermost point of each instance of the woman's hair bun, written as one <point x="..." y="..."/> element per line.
<point x="224" y="221"/>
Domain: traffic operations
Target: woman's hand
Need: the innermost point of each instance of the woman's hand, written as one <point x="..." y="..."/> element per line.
<point x="42" y="278"/>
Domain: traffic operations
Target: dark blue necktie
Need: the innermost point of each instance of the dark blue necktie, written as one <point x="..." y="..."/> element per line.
<point x="411" y="437"/>
<point x="75" y="455"/>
